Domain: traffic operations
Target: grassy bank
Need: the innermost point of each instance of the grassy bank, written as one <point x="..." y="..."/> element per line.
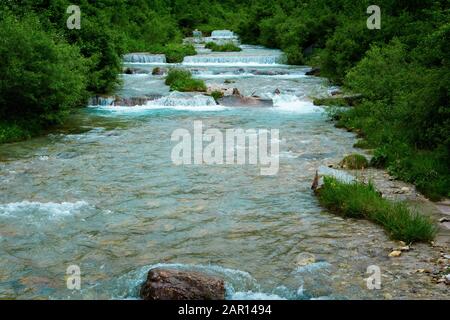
<point x="357" y="200"/>
<point x="181" y="80"/>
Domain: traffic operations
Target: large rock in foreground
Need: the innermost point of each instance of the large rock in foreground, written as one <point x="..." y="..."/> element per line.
<point x="170" y="284"/>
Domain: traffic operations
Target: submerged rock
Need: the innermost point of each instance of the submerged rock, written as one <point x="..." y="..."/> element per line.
<point x="132" y="101"/>
<point x="135" y="71"/>
<point x="170" y="284"/>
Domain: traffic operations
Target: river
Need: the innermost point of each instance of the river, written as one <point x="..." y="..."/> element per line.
<point x="104" y="195"/>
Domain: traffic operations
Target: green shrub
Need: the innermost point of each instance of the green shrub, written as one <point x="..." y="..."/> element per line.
<point x="227" y="47"/>
<point x="216" y="94"/>
<point x="43" y="78"/>
<point x="11" y="132"/>
<point x="354" y="161"/>
<point x="175" y="53"/>
<point x="181" y="80"/>
<point x="357" y="200"/>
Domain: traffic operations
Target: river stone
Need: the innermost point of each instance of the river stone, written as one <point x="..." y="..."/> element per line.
<point x="304" y="259"/>
<point x="395" y="253"/>
<point x="313" y="72"/>
<point x="170" y="284"/>
<point x="239" y="101"/>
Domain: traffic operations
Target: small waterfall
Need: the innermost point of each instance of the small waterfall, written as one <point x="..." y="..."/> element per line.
<point x="222" y="37"/>
<point x="144" y="58"/>
<point x="222" y="34"/>
<point x="120" y="101"/>
<point x="234" y="59"/>
<point x="101" y="101"/>
<point x="177" y="99"/>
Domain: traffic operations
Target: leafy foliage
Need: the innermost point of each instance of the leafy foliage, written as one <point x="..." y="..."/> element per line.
<point x="42" y="76"/>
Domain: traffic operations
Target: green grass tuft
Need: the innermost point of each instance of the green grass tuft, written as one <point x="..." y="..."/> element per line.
<point x="181" y="80"/>
<point x="357" y="200"/>
<point x="354" y="161"/>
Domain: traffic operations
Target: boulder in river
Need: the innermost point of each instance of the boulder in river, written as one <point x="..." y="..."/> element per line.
<point x="158" y="71"/>
<point x="171" y="284"/>
<point x="313" y="72"/>
<point x="240" y="101"/>
<point x="134" y="71"/>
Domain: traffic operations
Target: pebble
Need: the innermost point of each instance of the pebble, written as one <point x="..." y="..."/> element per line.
<point x="304" y="259"/>
<point x="395" y="253"/>
<point x="387" y="296"/>
<point x="423" y="271"/>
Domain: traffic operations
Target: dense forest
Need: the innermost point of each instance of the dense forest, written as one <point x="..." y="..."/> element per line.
<point x="402" y="70"/>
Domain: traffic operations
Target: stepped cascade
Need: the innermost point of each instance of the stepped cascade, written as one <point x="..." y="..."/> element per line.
<point x="144" y="58"/>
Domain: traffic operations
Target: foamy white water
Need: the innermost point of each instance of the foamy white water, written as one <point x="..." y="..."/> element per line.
<point x="292" y="103"/>
<point x="49" y="209"/>
<point x="174" y="101"/>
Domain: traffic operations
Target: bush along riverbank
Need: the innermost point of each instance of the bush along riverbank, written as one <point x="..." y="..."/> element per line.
<point x="358" y="200"/>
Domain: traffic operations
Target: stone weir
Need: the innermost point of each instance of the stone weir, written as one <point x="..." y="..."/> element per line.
<point x="121" y="101"/>
<point x="142" y="57"/>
